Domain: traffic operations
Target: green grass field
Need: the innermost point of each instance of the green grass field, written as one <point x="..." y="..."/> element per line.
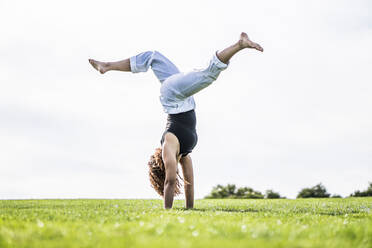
<point x="213" y="223"/>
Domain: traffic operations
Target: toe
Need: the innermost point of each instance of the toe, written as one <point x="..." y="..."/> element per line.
<point x="258" y="47"/>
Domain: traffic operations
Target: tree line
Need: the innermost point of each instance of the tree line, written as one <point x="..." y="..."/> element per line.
<point x="317" y="191"/>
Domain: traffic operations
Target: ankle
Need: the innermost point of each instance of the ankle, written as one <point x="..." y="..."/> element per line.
<point x="240" y="44"/>
<point x="107" y="65"/>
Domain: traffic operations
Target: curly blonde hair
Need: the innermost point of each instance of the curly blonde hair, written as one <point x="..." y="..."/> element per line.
<point x="157" y="174"/>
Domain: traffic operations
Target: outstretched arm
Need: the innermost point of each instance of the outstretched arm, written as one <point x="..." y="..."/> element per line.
<point x="188" y="176"/>
<point x="169" y="155"/>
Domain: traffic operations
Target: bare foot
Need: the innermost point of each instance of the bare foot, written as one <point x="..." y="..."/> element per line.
<point x="102" y="67"/>
<point x="245" y="42"/>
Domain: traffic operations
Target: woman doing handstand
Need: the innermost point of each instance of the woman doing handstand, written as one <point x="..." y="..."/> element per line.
<point x="176" y="96"/>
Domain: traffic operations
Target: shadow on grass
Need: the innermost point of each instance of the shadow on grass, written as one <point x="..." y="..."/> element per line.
<point x="273" y="211"/>
<point x="219" y="209"/>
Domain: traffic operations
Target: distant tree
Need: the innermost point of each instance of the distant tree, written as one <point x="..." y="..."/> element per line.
<point x="231" y="191"/>
<point x="367" y="192"/>
<point x="318" y="191"/>
<point x="270" y="194"/>
<point x="248" y="193"/>
<point x="220" y="191"/>
<point x="336" y="196"/>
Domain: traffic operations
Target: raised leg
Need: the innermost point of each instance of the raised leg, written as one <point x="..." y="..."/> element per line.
<point x="185" y="85"/>
<point x="188" y="176"/>
<point x="244" y="42"/>
<point x="162" y="66"/>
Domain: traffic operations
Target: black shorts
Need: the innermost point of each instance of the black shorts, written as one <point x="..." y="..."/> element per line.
<point x="183" y="126"/>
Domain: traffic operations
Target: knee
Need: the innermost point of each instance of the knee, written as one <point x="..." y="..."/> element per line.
<point x="151" y="54"/>
<point x="155" y="52"/>
<point x="158" y="55"/>
<point x="148" y="55"/>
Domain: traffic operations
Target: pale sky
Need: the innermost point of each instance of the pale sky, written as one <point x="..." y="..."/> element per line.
<point x="296" y="115"/>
